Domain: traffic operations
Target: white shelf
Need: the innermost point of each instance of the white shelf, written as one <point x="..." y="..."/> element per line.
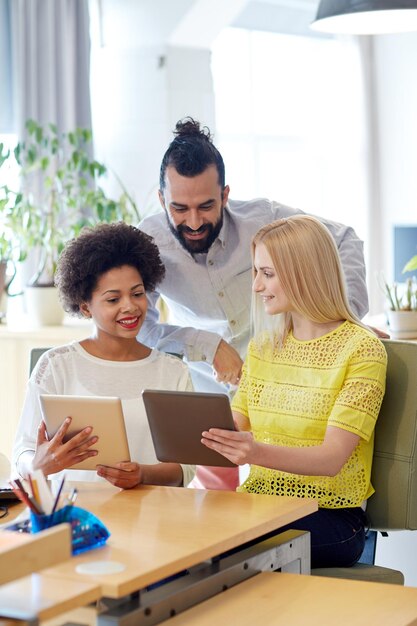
<point x="16" y="343"/>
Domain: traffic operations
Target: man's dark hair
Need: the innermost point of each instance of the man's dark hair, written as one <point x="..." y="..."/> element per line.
<point x="100" y="249"/>
<point x="191" y="152"/>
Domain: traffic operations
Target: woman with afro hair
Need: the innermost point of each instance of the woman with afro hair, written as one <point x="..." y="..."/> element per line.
<point x="103" y="274"/>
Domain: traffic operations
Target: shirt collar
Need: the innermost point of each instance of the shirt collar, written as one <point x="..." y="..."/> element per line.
<point x="222" y="236"/>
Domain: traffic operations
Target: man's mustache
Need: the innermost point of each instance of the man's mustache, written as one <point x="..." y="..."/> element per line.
<point x="187" y="229"/>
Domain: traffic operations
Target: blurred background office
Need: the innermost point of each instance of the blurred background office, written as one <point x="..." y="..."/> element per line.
<point x="322" y="122"/>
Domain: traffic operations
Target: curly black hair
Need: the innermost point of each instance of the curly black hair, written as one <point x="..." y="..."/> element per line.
<point x="96" y="251"/>
<point x="191" y="152"/>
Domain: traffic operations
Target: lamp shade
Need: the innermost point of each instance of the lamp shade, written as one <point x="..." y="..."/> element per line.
<point x="366" y="17"/>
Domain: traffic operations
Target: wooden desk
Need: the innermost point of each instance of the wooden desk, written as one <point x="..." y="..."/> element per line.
<point x="39" y="595"/>
<point x="287" y="599"/>
<point x="159" y="531"/>
<point x="155" y="532"/>
<point x="24" y="596"/>
<point x="22" y="554"/>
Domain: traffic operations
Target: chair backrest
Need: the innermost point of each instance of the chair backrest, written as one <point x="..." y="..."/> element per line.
<point x="394" y="469"/>
<point x="35" y="355"/>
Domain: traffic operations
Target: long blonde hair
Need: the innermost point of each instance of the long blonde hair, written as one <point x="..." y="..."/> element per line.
<point x="307" y="264"/>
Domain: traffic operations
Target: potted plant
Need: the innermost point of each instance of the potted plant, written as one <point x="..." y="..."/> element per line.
<point x="5" y="258"/>
<point x="6" y="261"/>
<point x="402" y="312"/>
<point x="9" y="253"/>
<point x="59" y="194"/>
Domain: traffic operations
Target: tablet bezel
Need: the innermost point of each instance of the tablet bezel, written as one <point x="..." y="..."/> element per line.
<point x="103" y="413"/>
<point x="177" y="420"/>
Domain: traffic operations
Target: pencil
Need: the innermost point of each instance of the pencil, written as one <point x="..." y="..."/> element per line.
<point x="34" y="485"/>
<point x="23" y="497"/>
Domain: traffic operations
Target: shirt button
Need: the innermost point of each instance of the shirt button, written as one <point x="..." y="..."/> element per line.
<point x="204" y="358"/>
<point x="211" y="262"/>
<point x="221" y="294"/>
<point x="233" y="322"/>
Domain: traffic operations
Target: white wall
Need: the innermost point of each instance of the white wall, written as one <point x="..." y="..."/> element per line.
<point x="396" y="85"/>
<point x="150" y="67"/>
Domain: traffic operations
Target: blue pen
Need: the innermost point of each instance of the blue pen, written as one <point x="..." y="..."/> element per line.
<point x="57" y="496"/>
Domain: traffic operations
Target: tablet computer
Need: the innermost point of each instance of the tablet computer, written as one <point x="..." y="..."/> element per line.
<point x="104" y="414"/>
<point x="177" y="419"/>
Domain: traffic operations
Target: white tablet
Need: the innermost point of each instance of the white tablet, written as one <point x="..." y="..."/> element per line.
<point x="103" y="414"/>
<point x="177" y="420"/>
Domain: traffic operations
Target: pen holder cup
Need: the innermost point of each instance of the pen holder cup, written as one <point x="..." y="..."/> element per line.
<point x="87" y="530"/>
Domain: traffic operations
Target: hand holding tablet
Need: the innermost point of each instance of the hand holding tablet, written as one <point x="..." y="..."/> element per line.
<point x="103" y="414"/>
<point x="177" y="420"/>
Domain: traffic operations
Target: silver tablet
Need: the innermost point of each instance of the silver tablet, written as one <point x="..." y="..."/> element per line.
<point x="177" y="419"/>
<point x="103" y="414"/>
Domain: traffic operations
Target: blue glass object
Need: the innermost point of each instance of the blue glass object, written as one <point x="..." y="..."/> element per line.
<point x="87" y="530"/>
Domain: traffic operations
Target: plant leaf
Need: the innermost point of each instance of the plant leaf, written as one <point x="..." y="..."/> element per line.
<point x="411" y="265"/>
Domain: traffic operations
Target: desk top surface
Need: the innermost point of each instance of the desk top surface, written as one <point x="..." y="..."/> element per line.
<point x="284" y="599"/>
<point x="158" y="531"/>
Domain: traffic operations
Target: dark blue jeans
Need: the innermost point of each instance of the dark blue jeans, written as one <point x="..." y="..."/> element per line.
<point x="337" y="536"/>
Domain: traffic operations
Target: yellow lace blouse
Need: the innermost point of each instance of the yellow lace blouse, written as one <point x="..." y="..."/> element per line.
<point x="291" y="395"/>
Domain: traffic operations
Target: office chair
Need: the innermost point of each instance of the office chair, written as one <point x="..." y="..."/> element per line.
<point x="35" y="355"/>
<point x="393" y="506"/>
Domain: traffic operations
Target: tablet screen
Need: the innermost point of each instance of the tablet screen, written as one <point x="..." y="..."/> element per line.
<point x="177" y="419"/>
<point x="103" y="414"/>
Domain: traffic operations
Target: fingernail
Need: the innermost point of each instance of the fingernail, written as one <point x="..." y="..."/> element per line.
<point x="88" y="430"/>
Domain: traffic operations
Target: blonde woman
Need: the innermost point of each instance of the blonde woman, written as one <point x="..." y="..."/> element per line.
<point x="311" y="389"/>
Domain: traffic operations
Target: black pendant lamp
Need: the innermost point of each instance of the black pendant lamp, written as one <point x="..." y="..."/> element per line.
<point x="366" y="17"/>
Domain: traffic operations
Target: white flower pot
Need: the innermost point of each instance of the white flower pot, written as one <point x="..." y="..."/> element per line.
<point x="43" y="306"/>
<point x="402" y="324"/>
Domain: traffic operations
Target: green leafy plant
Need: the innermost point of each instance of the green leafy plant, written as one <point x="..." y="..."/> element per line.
<point x="59" y="194"/>
<point x="411" y="265"/>
<point x="9" y="250"/>
<point x="407" y="300"/>
<point x="6" y="232"/>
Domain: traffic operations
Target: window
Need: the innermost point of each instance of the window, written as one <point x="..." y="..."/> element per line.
<point x="9" y="175"/>
<point x="290" y="121"/>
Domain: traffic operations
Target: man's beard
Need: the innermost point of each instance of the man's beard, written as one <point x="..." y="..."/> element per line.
<point x="198" y="245"/>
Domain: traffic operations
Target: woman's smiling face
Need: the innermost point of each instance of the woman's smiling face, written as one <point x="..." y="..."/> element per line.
<point x="266" y="283"/>
<point x="118" y="304"/>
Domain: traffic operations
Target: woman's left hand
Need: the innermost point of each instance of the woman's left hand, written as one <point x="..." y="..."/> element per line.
<point x="237" y="446"/>
<point x="124" y="475"/>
